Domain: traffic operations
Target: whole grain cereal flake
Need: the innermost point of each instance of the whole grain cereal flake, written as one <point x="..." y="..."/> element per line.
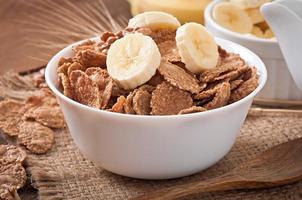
<point x="169" y="100"/>
<point x="128" y="106"/>
<point x="118" y="107"/>
<point x="85" y="90"/>
<point x="10" y="116"/>
<point x="105" y="84"/>
<point x="169" y="51"/>
<point x="236" y="83"/>
<point x="12" y="153"/>
<point x="193" y="109"/>
<point x="36" y="137"/>
<point x="141" y="102"/>
<point x="91" y="58"/>
<point x="49" y="116"/>
<point x="65" y="85"/>
<point x="244" y="89"/>
<point x="221" y="97"/>
<point x="179" y="77"/>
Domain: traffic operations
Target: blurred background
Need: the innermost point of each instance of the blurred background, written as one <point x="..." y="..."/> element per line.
<point x="33" y="30"/>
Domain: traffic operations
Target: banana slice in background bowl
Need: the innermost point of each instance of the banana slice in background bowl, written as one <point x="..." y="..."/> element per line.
<point x="265" y="45"/>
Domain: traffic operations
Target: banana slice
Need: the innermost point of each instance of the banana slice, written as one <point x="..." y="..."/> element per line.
<point x="154" y="20"/>
<point x="255" y="15"/>
<point x="133" y="60"/>
<point x="249" y="3"/>
<point x="269" y="33"/>
<point x="256" y="31"/>
<point x="232" y="17"/>
<point x="197" y="47"/>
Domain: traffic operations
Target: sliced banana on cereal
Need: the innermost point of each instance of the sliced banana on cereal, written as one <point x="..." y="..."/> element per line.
<point x="133" y="60"/>
<point x="154" y="20"/>
<point x="232" y="17"/>
<point x="197" y="47"/>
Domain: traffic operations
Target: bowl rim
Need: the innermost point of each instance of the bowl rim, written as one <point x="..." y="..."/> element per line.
<point x="53" y="63"/>
<point x="209" y="19"/>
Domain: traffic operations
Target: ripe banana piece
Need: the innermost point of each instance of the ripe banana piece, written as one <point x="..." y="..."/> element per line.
<point x="249" y="3"/>
<point x="183" y="10"/>
<point x="154" y="20"/>
<point x="197" y="47"/>
<point x="255" y="15"/>
<point x="256" y="31"/>
<point x="133" y="60"/>
<point x="232" y="17"/>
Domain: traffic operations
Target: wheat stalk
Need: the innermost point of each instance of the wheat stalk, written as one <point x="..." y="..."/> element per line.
<point x="52" y="25"/>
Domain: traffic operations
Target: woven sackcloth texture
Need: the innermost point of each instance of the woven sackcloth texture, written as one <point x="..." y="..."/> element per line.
<point x="65" y="174"/>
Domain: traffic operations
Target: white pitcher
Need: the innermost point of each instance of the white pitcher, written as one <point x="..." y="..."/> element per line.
<point x="285" y="19"/>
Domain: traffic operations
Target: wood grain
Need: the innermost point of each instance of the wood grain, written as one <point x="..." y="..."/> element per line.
<point x="14" y="53"/>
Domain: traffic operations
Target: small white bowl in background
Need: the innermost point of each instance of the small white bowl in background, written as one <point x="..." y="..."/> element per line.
<point x="155" y="147"/>
<point x="280" y="84"/>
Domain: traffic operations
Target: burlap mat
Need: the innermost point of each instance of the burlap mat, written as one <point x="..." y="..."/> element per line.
<point x="65" y="174"/>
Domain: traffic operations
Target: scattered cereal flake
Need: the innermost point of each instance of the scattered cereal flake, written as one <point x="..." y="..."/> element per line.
<point x="141" y="102"/>
<point x="42" y="97"/>
<point x="49" y="116"/>
<point x="179" y="77"/>
<point x="10" y="117"/>
<point x="13" y="175"/>
<point x="156" y="79"/>
<point x="193" y="109"/>
<point x="65" y="85"/>
<point x="12" y="153"/>
<point x="221" y="98"/>
<point x="169" y="100"/>
<point x="169" y="51"/>
<point x="85" y="90"/>
<point x="5" y="194"/>
<point x="118" y="107"/>
<point x="88" y="44"/>
<point x="236" y="83"/>
<point x="128" y="107"/>
<point x="91" y="58"/>
<point x="36" y="137"/>
<point x="244" y="89"/>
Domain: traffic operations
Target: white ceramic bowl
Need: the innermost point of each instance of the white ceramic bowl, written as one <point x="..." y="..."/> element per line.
<point x="280" y="84"/>
<point x="155" y="147"/>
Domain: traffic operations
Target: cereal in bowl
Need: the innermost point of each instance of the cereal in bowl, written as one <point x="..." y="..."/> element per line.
<point x="155" y="69"/>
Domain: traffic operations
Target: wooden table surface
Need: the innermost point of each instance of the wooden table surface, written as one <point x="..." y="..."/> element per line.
<point x="14" y="53"/>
